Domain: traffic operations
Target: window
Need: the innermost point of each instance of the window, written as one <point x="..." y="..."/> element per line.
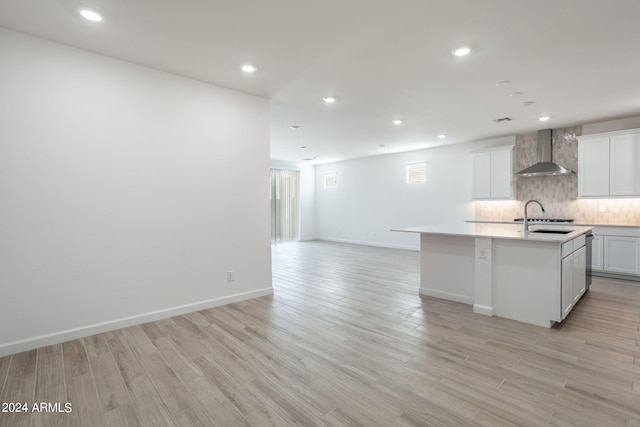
<point x="285" y="191"/>
<point x="331" y="180"/>
<point x="417" y="173"/>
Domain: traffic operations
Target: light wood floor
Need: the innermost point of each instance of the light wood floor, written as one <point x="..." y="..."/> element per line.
<point x="345" y="340"/>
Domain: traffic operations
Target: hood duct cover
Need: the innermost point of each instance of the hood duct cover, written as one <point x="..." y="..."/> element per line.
<point x="544" y="166"/>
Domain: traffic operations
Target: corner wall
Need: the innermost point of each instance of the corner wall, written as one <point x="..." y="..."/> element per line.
<point x="126" y="194"/>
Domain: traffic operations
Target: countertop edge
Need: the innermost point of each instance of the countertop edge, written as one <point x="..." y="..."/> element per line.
<point x="458" y="230"/>
<point x="579" y="224"/>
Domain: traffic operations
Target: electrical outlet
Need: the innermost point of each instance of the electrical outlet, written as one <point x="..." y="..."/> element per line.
<point x="230" y="276"/>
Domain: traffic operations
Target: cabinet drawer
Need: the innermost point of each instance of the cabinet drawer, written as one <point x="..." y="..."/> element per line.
<point x="573" y="245"/>
<point x="579" y="242"/>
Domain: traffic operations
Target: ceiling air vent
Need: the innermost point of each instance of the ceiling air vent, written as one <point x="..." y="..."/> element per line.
<point x="502" y="119"/>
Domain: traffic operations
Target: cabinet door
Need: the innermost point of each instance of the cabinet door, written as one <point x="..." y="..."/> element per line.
<point x="624" y="172"/>
<point x="596" y="257"/>
<point x="567" y="286"/>
<point x="593" y="167"/>
<point x="482" y="175"/>
<point x="501" y="174"/>
<point x="621" y="254"/>
<point x="579" y="273"/>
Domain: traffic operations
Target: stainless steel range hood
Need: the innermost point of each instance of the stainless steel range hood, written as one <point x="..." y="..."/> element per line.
<point x="544" y="166"/>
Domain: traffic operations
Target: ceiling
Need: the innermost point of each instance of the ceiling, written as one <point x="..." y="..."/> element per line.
<point x="577" y="60"/>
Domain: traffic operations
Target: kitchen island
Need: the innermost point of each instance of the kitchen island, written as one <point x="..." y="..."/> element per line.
<point x="534" y="277"/>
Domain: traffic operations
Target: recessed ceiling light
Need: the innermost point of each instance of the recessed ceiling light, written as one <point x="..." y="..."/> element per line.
<point x="517" y="93"/>
<point x="503" y="83"/>
<point x="248" y="68"/>
<point x="303" y="146"/>
<point x="461" y="51"/>
<point x="544" y="118"/>
<point x="397" y="122"/>
<point x="442" y="135"/>
<point x="329" y="99"/>
<point x="91" y="15"/>
<point x="528" y="103"/>
<point x="381" y="145"/>
<point x="294" y="127"/>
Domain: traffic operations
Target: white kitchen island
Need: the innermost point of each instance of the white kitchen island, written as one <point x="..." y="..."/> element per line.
<point x="532" y="277"/>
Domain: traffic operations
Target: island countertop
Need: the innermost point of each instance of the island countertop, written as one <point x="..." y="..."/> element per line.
<point x="501" y="231"/>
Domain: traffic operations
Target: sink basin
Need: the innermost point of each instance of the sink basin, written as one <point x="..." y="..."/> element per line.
<point x="548" y="231"/>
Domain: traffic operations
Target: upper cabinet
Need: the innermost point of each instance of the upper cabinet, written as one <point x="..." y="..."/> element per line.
<point x="624" y="169"/>
<point x="593" y="167"/>
<point x="609" y="164"/>
<point x="493" y="173"/>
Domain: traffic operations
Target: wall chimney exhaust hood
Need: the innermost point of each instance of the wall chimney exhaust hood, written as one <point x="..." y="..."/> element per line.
<point x="544" y="166"/>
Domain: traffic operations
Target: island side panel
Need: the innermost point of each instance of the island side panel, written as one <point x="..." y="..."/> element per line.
<point x="483" y="277"/>
<point x="447" y="267"/>
<point x="527" y="281"/>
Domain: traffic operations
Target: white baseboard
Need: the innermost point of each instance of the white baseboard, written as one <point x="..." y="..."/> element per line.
<point x="483" y="309"/>
<point x="368" y="243"/>
<point x="446" y="295"/>
<point x="86" y="331"/>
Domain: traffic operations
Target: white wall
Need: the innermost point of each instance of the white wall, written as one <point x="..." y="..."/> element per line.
<point x="307" y="195"/>
<point x="126" y="194"/>
<point x="373" y="197"/>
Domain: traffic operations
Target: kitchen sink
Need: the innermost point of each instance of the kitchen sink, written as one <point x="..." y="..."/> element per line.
<point x="548" y="231"/>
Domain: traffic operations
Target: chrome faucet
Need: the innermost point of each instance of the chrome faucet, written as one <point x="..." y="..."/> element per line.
<point x="526" y="220"/>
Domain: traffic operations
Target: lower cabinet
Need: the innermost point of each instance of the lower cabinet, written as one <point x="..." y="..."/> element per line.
<point x="597" y="254"/>
<point x="573" y="279"/>
<point x="622" y="254"/>
<point x="615" y="250"/>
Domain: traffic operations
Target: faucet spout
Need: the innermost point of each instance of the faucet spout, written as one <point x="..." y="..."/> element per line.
<point x="526" y="219"/>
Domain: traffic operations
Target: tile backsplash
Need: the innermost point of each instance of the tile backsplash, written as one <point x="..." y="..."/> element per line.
<point x="558" y="194"/>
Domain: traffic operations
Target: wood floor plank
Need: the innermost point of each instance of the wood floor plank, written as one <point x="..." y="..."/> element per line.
<point x="50" y="379"/>
<point x="218" y="379"/>
<point x="149" y="406"/>
<point x="179" y="362"/>
<point x="4" y="369"/>
<point x="76" y="362"/>
<point x="23" y="364"/>
<point x="219" y="406"/>
<point x="81" y="392"/>
<point x="172" y="391"/>
<point x="111" y="386"/>
<point x="18" y="390"/>
<point x="267" y="417"/>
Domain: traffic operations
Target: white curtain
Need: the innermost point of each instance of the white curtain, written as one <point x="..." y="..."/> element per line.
<point x="284" y="204"/>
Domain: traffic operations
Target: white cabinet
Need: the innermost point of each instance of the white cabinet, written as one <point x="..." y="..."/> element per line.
<point x="597" y="253"/>
<point x="624" y="169"/>
<point x="573" y="277"/>
<point x="482" y="175"/>
<point x="609" y="164"/>
<point x="615" y="250"/>
<point x="493" y="173"/>
<point x="622" y="254"/>
<point x="593" y="167"/>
